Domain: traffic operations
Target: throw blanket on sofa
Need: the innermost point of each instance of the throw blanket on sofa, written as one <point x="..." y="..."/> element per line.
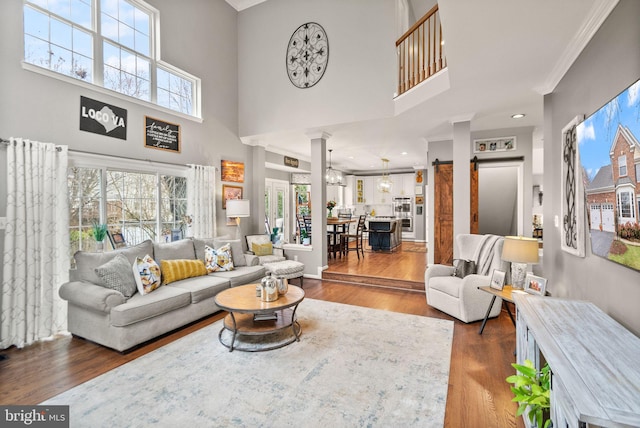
<point x="486" y="252"/>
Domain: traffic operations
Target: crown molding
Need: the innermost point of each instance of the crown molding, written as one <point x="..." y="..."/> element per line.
<point x="241" y="5"/>
<point x="599" y="12"/>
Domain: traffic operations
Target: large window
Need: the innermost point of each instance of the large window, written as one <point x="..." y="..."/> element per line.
<point x="139" y="205"/>
<point x="114" y="50"/>
<point x="626" y="207"/>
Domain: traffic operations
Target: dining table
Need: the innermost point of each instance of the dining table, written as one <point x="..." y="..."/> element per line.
<point x="339" y="226"/>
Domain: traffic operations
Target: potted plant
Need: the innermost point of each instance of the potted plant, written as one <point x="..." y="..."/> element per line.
<point x="305" y="237"/>
<point x="99" y="232"/>
<point x="532" y="390"/>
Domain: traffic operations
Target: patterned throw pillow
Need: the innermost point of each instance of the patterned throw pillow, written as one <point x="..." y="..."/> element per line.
<point x="175" y="270"/>
<point x="116" y="275"/>
<point x="147" y="274"/>
<point x="265" y="249"/>
<point x="219" y="260"/>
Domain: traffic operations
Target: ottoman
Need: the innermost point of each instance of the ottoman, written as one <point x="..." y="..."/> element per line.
<point x="286" y="269"/>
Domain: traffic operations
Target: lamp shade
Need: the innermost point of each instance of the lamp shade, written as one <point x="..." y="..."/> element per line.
<point x="518" y="249"/>
<point x="238" y="208"/>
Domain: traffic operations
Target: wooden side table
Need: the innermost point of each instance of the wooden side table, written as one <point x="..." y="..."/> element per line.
<point x="506" y="295"/>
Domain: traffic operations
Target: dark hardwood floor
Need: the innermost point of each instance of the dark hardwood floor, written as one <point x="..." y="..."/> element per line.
<point x="478" y="395"/>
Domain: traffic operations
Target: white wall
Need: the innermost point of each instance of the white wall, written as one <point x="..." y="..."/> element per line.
<point x="201" y="39"/>
<point x="609" y="63"/>
<point x="359" y="81"/>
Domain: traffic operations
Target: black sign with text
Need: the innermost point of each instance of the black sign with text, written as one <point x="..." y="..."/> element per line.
<point x="102" y="118"/>
<point x="161" y="135"/>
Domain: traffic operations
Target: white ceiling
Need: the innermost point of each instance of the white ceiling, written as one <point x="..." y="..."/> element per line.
<point x="502" y="55"/>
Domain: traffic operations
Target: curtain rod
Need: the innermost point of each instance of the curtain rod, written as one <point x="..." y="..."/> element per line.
<point x="5" y="142"/>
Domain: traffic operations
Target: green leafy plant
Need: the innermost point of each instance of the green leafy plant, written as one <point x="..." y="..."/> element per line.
<point x="532" y="390"/>
<point x="303" y="233"/>
<point x="99" y="231"/>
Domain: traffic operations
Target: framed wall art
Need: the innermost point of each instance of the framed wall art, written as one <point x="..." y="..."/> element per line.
<point x="502" y="144"/>
<point x="572" y="239"/>
<point x="161" y="135"/>
<point x="232" y="171"/>
<point x="230" y="192"/>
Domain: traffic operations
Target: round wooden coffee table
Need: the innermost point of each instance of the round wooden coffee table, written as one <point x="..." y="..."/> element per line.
<point x="264" y="325"/>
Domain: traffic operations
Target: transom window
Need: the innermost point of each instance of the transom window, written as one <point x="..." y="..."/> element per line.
<point x="109" y="43"/>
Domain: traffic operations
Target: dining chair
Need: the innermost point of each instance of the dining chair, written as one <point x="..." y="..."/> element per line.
<point x="357" y="237"/>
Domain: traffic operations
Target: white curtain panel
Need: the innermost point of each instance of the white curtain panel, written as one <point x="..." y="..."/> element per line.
<point x="201" y="200"/>
<point x="36" y="250"/>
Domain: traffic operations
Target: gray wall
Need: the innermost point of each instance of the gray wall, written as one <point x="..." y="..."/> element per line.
<point x="200" y="39"/>
<point x="359" y="80"/>
<point x="609" y="63"/>
<point x="497" y="200"/>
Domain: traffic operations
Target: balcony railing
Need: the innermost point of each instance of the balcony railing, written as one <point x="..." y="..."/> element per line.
<point x="420" y="51"/>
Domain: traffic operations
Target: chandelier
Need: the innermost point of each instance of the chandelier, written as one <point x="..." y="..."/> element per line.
<point x="384" y="183"/>
<point x="333" y="177"/>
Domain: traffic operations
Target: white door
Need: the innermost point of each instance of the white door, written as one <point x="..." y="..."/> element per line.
<point x="596" y="218"/>
<point x="608" y="223"/>
<point x="277" y="207"/>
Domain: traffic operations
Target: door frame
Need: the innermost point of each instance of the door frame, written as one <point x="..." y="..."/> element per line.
<point x="519" y="164"/>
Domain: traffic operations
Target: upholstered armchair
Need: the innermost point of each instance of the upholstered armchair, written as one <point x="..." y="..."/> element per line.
<point x="460" y="297"/>
<point x="260" y="246"/>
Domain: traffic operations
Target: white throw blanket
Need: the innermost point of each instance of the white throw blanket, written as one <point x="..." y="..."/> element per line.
<point x="485" y="254"/>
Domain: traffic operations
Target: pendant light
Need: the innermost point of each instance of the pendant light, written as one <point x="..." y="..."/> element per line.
<point x="333" y="177"/>
<point x="385" y="184"/>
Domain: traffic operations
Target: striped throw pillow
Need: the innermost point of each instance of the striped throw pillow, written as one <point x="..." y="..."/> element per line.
<point x="175" y="270"/>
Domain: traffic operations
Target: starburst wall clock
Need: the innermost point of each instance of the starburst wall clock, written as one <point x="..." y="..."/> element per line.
<point x="307" y="55"/>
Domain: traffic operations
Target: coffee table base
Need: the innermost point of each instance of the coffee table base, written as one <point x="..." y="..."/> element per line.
<point x="239" y="331"/>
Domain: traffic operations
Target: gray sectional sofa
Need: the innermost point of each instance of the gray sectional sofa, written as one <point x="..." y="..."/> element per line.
<point x="107" y="317"/>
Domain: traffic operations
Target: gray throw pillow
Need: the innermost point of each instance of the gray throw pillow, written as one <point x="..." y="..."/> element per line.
<point x="117" y="274"/>
<point x="464" y="268"/>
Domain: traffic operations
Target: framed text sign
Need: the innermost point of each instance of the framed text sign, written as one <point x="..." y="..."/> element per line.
<point x="102" y="118"/>
<point x="161" y="135"/>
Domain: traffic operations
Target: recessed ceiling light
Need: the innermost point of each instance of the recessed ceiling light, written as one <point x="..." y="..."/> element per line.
<point x="404" y="153"/>
<point x="517" y="116"/>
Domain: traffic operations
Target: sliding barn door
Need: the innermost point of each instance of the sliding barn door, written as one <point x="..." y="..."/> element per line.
<point x="443" y="212"/>
<point x="475" y="221"/>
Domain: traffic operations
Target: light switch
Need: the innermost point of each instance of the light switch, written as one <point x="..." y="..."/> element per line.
<point x="556" y="221"/>
<point x="3" y="222"/>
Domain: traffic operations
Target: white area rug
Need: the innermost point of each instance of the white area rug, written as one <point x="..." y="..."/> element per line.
<point x="353" y="367"/>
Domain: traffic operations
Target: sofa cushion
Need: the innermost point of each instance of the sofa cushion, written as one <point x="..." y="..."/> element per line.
<point x="147" y="274"/>
<point x="176" y="270"/>
<point x="202" y="287"/>
<point x="242" y="275"/>
<point x="86" y="262"/>
<point x="446" y="284"/>
<point x="141" y="307"/>
<point x="182" y="249"/>
<point x="116" y="274"/>
<point x="219" y="260"/>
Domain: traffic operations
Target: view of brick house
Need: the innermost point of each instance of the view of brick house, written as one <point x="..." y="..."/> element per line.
<point x="615" y="190"/>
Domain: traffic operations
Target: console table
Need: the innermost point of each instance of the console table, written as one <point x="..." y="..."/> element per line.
<point x="594" y="361"/>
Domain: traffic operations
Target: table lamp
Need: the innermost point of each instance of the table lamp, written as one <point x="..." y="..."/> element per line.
<point x="238" y="208"/>
<point x="519" y="251"/>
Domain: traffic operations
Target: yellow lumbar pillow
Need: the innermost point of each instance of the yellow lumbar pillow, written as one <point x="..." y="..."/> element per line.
<point x="175" y="270"/>
<point x="265" y="249"/>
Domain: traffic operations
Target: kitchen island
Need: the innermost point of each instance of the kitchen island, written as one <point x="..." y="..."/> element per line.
<point x="379" y="237"/>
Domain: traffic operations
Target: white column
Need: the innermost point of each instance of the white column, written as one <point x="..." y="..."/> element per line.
<point x="461" y="179"/>
<point x="319" y="199"/>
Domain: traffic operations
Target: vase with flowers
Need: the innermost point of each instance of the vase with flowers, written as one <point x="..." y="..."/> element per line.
<point x="330" y="206"/>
